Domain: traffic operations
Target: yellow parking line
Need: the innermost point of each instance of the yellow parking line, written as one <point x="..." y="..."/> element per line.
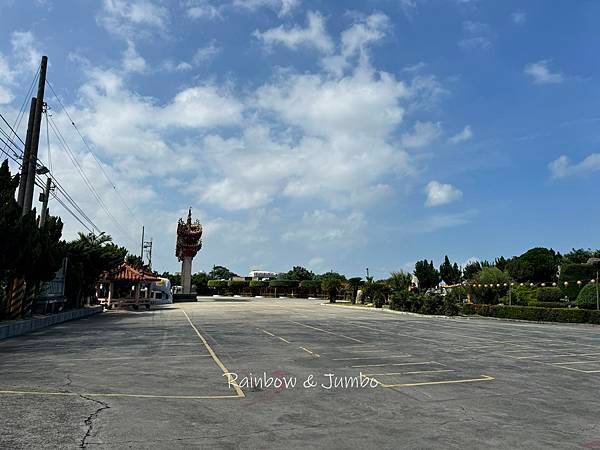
<point x="407" y="373"/>
<point x="400" y="364"/>
<point x="231" y="381"/>
<point x="430" y="383"/>
<point x="312" y="353"/>
<point x="328" y="332"/>
<point x="118" y="394"/>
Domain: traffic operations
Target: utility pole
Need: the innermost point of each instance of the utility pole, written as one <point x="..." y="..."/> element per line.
<point x="148" y="246"/>
<point x="35" y="138"/>
<point x="142" y="246"/>
<point x="26" y="155"/>
<point x="44" y="198"/>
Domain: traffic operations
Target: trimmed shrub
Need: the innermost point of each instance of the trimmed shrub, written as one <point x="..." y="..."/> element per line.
<point x="548" y="294"/>
<point x="259" y="284"/>
<point x="238" y="284"/>
<point x="572" y="273"/>
<point x="587" y="297"/>
<point x="289" y="284"/>
<point x="522" y="295"/>
<point x="218" y="283"/>
<point x="569" y="315"/>
<point x="548" y="304"/>
<point x="311" y="285"/>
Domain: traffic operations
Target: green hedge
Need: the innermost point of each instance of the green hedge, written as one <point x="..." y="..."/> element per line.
<point x="311" y="285"/>
<point x="259" y="284"/>
<point x="424" y="303"/>
<point x="587" y="297"/>
<point x="238" y="284"/>
<point x="217" y="283"/>
<point x="290" y="284"/>
<point x="572" y="315"/>
<point x="549" y="294"/>
<point x="572" y="273"/>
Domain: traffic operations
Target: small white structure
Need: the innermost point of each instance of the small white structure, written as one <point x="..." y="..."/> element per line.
<point x="262" y="275"/>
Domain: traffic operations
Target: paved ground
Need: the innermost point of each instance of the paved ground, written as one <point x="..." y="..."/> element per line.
<point x="155" y="380"/>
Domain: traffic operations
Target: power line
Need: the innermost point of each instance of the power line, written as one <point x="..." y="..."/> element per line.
<point x="93" y="154"/>
<point x="86" y="180"/>
<point x="17" y="122"/>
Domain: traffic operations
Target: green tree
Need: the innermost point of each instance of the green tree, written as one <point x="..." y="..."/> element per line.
<point x="450" y="273"/>
<point x="174" y="278"/>
<point x="494" y="285"/>
<point x="200" y="280"/>
<point x="427" y="274"/>
<point x="399" y="281"/>
<point x="536" y="265"/>
<point x="353" y="285"/>
<point x="88" y="257"/>
<point x="331" y="285"/>
<point x="221" y="273"/>
<point x="471" y="270"/>
<point x="298" y="273"/>
<point x="580" y="256"/>
<point x="501" y="263"/>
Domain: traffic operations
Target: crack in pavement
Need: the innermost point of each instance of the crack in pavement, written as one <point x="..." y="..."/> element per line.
<point x="90" y="419"/>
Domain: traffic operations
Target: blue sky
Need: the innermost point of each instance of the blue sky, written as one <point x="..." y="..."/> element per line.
<point x="333" y="135"/>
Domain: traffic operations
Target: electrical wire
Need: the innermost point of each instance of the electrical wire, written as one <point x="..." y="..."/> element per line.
<point x="93" y="154"/>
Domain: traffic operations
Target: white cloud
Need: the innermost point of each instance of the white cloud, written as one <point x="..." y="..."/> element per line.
<point x="423" y="134"/>
<point x="132" y="61"/>
<point x="133" y="19"/>
<point x="518" y="17"/>
<point x="284" y="7"/>
<point x="465" y="135"/>
<point x="24" y="48"/>
<point x="365" y="103"/>
<point x="201" y="9"/>
<point x="7" y="78"/>
<point x="314" y="35"/>
<point x="206" y="53"/>
<point x="475" y="43"/>
<point x="320" y="228"/>
<point x="441" y="194"/>
<point x="475" y="27"/>
<point x="355" y="42"/>
<point x="562" y="167"/>
<point x="541" y="73"/>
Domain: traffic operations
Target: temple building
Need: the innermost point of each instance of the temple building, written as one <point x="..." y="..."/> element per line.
<point x="189" y="242"/>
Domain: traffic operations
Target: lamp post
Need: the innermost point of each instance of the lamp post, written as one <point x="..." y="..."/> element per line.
<point x="596" y="263"/>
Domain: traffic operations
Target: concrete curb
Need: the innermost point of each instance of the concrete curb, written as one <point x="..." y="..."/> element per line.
<point x="17" y="327"/>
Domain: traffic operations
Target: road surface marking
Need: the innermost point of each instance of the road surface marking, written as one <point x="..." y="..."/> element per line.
<point x="117" y="394"/>
<point x="407" y="373"/>
<point x="430" y="383"/>
<point x="328" y="332"/>
<point x="370" y="357"/>
<point x="274" y="335"/>
<point x="400" y="364"/>
<point x="230" y="380"/>
<point x="312" y="353"/>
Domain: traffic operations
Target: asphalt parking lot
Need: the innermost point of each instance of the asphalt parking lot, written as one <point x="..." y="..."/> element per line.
<point x="188" y="376"/>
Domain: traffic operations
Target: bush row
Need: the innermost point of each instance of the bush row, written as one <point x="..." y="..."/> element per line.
<point x="572" y="315"/>
<point x="424" y="304"/>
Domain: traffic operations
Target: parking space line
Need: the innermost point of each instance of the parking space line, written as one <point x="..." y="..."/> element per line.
<point x="430" y="383"/>
<point x="400" y="364"/>
<point x="274" y="335"/>
<point x="226" y="372"/>
<point x="370" y="357"/>
<point x="575" y="362"/>
<point x="311" y="352"/>
<point x="416" y="372"/>
<point x="118" y="394"/>
<point x="328" y="332"/>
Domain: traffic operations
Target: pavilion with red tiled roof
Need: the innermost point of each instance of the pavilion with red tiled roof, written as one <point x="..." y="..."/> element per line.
<point x="124" y="286"/>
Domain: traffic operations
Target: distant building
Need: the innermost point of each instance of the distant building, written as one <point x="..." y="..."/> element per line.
<point x="263" y="275"/>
